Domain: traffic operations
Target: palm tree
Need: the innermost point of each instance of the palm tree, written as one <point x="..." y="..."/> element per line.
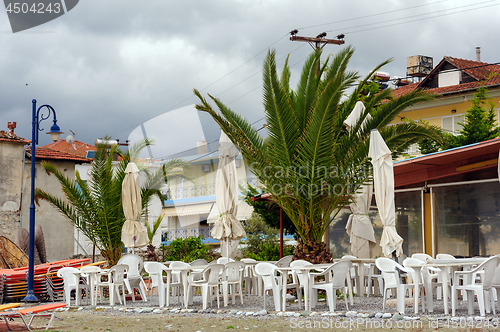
<point x="310" y="162"/>
<point x="95" y="208"/>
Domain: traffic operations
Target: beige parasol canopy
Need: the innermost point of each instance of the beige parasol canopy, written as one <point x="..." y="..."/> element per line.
<point x="359" y="226"/>
<point x="227" y="228"/>
<point x="133" y="233"/>
<point x="383" y="180"/>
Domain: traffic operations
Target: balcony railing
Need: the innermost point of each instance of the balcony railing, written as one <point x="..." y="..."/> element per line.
<point x="201" y="190"/>
<point x="185" y="233"/>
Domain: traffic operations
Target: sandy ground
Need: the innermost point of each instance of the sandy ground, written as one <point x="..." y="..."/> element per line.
<point x="105" y="321"/>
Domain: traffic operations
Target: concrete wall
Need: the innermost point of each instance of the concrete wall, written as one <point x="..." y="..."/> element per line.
<point x="57" y="229"/>
<point x="11" y="167"/>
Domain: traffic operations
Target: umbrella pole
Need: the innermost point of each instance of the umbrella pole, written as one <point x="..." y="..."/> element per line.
<point x="281" y="232"/>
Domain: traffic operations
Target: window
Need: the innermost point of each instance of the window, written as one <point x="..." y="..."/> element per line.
<point x="450" y="123"/>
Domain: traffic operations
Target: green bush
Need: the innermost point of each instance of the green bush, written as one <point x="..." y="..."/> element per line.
<point x="270" y="252"/>
<point x="187" y="250"/>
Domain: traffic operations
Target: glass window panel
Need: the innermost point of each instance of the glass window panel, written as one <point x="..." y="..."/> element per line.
<point x="459" y="119"/>
<point x="467" y="219"/>
<point x="448" y="123"/>
<point x="408" y="225"/>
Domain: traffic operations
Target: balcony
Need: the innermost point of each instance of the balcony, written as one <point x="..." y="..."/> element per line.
<point x="200" y="190"/>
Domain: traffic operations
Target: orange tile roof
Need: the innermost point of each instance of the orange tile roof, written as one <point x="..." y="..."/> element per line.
<point x="77" y="148"/>
<point x="6" y="136"/>
<point x="487" y="74"/>
<point x="45" y="153"/>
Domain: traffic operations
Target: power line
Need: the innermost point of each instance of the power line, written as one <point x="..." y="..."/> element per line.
<point x="371" y="15"/>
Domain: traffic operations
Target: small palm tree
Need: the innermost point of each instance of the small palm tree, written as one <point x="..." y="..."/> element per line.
<point x="95" y="208"/>
<point x="151" y="233"/>
<point x="310" y="162"/>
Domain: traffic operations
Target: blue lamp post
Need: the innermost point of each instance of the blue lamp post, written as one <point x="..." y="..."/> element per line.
<point x="54" y="132"/>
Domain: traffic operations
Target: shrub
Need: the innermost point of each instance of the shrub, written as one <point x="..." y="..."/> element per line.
<point x="270" y="252"/>
<point x="187" y="250"/>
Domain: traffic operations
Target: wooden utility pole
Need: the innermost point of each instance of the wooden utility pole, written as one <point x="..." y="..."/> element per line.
<point x="318" y="42"/>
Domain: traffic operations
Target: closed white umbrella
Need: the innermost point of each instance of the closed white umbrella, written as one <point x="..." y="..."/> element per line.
<point x="227" y="228"/>
<point x="359" y="226"/>
<point x="383" y="180"/>
<point x="133" y="233"/>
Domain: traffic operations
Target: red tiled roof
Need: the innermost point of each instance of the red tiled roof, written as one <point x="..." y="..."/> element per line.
<point x="6" y="136"/>
<point x="487" y="74"/>
<point x="77" y="148"/>
<point x="45" y="153"/>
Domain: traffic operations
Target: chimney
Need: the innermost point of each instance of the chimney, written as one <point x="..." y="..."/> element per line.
<point x="11" y="126"/>
<point x="478" y="53"/>
<point x="201" y="146"/>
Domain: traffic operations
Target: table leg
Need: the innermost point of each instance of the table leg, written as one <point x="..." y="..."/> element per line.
<point x="284" y="275"/>
<point x="306" y="290"/>
<point x="186" y="287"/>
<point x="92" y="291"/>
<point x="361" y="282"/>
<point x="416" y="290"/>
<point x="445" y="281"/>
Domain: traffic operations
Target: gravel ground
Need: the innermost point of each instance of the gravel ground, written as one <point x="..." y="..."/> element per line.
<point x="144" y="316"/>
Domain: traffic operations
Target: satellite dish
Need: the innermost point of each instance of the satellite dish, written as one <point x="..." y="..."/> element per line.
<point x="70" y="139"/>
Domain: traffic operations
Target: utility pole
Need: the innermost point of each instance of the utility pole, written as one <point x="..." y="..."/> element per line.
<point x="318" y="42"/>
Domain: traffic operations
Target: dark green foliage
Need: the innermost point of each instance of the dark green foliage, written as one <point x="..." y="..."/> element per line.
<point x="271" y="252"/>
<point x="479" y="124"/>
<point x="188" y="249"/>
<point x="258" y="232"/>
<point x="269" y="211"/>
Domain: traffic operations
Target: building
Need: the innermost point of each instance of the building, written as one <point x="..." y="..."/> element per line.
<point x="454" y="81"/>
<point x="190" y="205"/>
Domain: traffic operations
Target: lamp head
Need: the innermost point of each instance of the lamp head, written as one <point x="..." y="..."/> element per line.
<point x="55" y="132"/>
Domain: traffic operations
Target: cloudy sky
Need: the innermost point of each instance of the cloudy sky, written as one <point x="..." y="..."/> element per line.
<point x="109" y="66"/>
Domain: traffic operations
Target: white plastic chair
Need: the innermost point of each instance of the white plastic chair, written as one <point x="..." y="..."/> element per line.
<point x="352" y="274"/>
<point x="116" y="279"/>
<point x="233" y="278"/>
<point x="483" y="290"/>
<point x="495" y="284"/>
<point x="392" y="280"/>
<point x="332" y="283"/>
<point x="445" y="256"/>
<point x="285" y="261"/>
<point x="271" y="282"/>
<point x="372" y="277"/>
<point x="250" y="280"/>
<point x="298" y="278"/>
<point x="224" y="260"/>
<point x="151" y="268"/>
<point x="72" y="282"/>
<point x="210" y="281"/>
<point x="134" y="279"/>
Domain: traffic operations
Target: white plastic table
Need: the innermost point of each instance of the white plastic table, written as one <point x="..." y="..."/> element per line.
<point x="442" y="265"/>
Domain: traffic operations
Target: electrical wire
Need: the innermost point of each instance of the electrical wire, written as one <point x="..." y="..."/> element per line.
<point x="371" y="15"/>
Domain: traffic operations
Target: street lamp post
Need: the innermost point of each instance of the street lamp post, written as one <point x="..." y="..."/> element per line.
<point x="54" y="132"/>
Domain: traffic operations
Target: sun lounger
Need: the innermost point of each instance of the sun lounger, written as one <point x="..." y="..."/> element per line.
<point x="32" y="312"/>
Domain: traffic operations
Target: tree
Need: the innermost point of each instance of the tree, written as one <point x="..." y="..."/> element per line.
<point x="479" y="124"/>
<point x="269" y="212"/>
<point x="310" y="163"/>
<point x="95" y="208"/>
<point x="151" y="230"/>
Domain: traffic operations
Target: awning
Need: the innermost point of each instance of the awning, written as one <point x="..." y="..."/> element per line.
<point x="187" y="210"/>
<point x="244" y="212"/>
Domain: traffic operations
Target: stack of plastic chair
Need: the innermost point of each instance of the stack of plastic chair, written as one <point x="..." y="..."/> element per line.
<point x="72" y="282"/>
<point x="116" y="280"/>
<point x="335" y="278"/>
<point x="271" y="282"/>
<point x="209" y="283"/>
<point x="390" y="272"/>
<point x="134" y="279"/>
<point x="250" y="279"/>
